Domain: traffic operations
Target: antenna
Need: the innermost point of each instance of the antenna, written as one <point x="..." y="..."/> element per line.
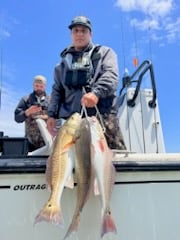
<point x="150" y="43"/>
<point x="135" y="59"/>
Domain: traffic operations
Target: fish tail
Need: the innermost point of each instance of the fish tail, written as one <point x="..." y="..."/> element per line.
<point x="73" y="226"/>
<point x="108" y="224"/>
<point x="50" y="213"/>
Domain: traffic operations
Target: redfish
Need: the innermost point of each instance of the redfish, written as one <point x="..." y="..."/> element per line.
<point x="83" y="172"/>
<point x="59" y="168"/>
<point x="105" y="173"/>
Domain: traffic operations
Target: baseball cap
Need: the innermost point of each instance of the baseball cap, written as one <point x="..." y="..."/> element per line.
<point x="39" y="79"/>
<point x="80" y="20"/>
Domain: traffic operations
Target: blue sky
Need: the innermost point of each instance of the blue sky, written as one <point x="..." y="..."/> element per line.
<point x="32" y="34"/>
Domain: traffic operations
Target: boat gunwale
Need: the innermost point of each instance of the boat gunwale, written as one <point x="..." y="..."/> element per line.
<point x="37" y="164"/>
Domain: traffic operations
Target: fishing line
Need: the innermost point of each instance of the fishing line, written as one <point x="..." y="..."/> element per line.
<point x="84" y="110"/>
<point x="98" y="114"/>
<point x="100" y="119"/>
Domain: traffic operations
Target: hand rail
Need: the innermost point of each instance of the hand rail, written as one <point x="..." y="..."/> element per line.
<point x="128" y="80"/>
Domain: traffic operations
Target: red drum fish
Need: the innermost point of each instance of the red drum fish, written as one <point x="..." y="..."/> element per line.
<point x="83" y="172"/>
<point x="59" y="168"/>
<point x="105" y="173"/>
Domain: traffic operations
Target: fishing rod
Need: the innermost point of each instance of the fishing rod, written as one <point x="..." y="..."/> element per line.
<point x="150" y="44"/>
<point x="122" y="42"/>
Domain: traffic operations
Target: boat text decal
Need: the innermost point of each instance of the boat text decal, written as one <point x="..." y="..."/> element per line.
<point x="29" y="187"/>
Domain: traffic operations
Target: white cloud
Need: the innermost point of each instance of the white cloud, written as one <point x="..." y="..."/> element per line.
<point x="10" y="97"/>
<point x="6" y="25"/>
<point x="155" y="37"/>
<point x="149" y="7"/>
<point x="145" y="24"/>
<point x="4" y="33"/>
<point x="155" y="15"/>
<point x="173" y="30"/>
<point x="9" y="100"/>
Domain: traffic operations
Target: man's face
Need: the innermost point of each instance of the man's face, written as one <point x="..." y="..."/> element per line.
<point x="39" y="88"/>
<point x="81" y="36"/>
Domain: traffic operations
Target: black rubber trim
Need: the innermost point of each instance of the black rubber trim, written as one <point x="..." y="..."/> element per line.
<point x="38" y="165"/>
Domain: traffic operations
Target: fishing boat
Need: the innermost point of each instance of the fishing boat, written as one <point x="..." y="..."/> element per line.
<point x="145" y="200"/>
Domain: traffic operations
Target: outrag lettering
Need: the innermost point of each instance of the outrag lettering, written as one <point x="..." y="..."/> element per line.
<point x="29" y="187"/>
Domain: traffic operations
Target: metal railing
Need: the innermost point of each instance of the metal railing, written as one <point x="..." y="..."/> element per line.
<point x="129" y="79"/>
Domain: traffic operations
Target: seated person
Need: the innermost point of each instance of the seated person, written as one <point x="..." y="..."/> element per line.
<point x="31" y="108"/>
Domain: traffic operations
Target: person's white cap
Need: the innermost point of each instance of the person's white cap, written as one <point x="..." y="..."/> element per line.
<point x="39" y="79"/>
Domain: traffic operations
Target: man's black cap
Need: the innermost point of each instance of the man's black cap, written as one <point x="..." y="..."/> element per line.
<point x="80" y="20"/>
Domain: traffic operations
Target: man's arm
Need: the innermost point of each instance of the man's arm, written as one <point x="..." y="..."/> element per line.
<point x="107" y="74"/>
<point x="106" y="78"/>
<point x="55" y="99"/>
<point x="19" y="113"/>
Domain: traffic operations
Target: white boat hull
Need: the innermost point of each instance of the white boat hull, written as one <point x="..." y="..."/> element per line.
<point x="145" y="206"/>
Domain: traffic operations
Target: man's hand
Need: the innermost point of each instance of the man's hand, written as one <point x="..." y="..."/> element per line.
<point x="32" y="110"/>
<point x="51" y="126"/>
<point x="89" y="100"/>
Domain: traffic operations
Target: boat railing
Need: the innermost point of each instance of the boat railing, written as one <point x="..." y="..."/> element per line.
<point x="140" y="72"/>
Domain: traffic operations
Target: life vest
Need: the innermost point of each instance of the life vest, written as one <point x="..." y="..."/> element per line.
<point x="79" y="74"/>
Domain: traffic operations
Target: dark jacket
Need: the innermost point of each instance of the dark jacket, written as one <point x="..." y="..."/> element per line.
<point x="65" y="100"/>
<point x="25" y="103"/>
<point x="32" y="131"/>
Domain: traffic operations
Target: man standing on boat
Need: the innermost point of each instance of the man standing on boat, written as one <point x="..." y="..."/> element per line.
<point x="87" y="75"/>
<point x="32" y="107"/>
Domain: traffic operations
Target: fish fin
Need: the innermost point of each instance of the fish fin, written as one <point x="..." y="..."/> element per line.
<point x="67" y="146"/>
<point x="50" y="213"/>
<point x="73" y="226"/>
<point x="70" y="182"/>
<point x="108" y="224"/>
<point x="96" y="188"/>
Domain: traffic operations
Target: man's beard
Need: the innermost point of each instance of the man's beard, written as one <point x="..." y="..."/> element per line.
<point x="39" y="93"/>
